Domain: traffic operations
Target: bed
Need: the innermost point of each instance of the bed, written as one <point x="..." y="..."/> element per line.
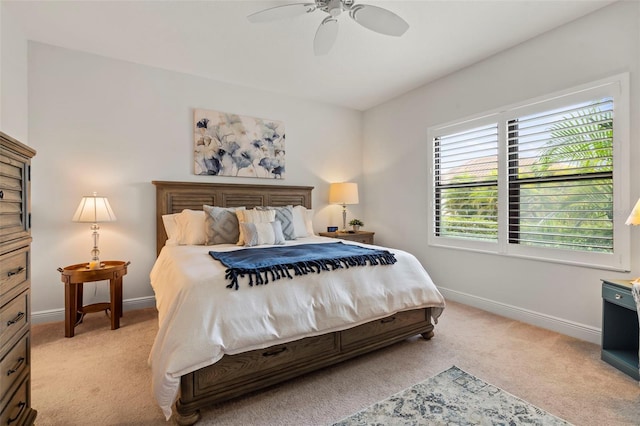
<point x="255" y="337"/>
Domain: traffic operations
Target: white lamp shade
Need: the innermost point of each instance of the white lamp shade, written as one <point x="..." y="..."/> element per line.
<point x="634" y="217"/>
<point x="343" y="193"/>
<point x="94" y="209"/>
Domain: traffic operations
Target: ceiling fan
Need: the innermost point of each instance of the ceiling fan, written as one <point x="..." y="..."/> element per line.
<point x="374" y="18"/>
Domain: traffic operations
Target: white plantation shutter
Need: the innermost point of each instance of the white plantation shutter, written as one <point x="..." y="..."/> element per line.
<point x="466" y="184"/>
<point x="547" y="179"/>
<point x="561" y="177"/>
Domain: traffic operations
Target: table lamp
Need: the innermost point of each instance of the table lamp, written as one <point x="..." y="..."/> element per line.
<point x="343" y="193"/>
<point x="634" y="216"/>
<point x="94" y="209"/>
<point x="634" y="219"/>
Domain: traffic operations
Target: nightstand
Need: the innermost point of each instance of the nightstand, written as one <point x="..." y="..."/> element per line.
<point x="73" y="278"/>
<point x="364" y="237"/>
<point x="620" y="327"/>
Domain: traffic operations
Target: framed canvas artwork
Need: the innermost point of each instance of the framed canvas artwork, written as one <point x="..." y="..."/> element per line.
<point x="228" y="144"/>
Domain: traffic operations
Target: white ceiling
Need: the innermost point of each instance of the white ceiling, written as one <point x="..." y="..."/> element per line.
<point x="214" y="39"/>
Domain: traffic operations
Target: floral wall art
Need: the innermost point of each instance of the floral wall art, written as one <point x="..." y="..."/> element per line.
<point x="234" y="145"/>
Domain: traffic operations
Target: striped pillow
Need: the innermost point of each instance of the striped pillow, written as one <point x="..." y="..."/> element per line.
<point x="253" y="216"/>
<point x="257" y="234"/>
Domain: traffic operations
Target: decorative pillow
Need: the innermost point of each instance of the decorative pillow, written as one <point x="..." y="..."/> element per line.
<point x="302" y="221"/>
<point x="308" y="221"/>
<point x="285" y="216"/>
<point x="170" y="225"/>
<point x="253" y="216"/>
<point x="221" y="225"/>
<point x="257" y="234"/>
<point x="190" y="224"/>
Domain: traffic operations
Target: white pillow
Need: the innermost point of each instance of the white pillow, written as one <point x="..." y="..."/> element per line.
<point x="285" y="215"/>
<point x="191" y="230"/>
<point x="309" y="222"/>
<point x="170" y="225"/>
<point x="253" y="216"/>
<point x="257" y="234"/>
<point x="302" y="221"/>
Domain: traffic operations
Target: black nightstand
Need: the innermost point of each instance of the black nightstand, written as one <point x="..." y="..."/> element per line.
<point x="620" y="327"/>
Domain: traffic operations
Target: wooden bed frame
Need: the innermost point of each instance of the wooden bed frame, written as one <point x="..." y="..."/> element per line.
<point x="236" y="375"/>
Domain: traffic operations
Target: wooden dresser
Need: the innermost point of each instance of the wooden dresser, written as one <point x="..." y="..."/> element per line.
<point x="15" y="282"/>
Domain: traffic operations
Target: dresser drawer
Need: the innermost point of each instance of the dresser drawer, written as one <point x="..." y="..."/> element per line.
<point x="252" y="364"/>
<point x="13" y="272"/>
<point x="359" y="335"/>
<point x="17" y="409"/>
<point x="13" y="317"/>
<point x="619" y="296"/>
<point x="14" y="363"/>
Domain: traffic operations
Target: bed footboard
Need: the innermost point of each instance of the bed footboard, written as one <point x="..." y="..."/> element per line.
<point x="236" y="375"/>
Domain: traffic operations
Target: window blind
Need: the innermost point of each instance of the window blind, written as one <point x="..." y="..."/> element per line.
<point x="466" y="184"/>
<point x="560" y="173"/>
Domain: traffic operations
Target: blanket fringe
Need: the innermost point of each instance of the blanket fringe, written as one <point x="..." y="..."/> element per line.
<point x="260" y="276"/>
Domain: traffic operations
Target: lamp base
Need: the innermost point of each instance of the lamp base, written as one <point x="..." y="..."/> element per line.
<point x="95" y="253"/>
<point x="344" y="218"/>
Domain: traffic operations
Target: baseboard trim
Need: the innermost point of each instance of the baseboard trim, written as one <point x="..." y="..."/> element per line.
<point x="55" y="315"/>
<point x="560" y="325"/>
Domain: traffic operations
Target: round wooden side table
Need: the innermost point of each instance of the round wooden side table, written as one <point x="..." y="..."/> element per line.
<point x="74" y="276"/>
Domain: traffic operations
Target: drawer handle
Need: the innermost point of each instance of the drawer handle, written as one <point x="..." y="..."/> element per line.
<point x="17" y="367"/>
<point x="618" y="296"/>
<point x="16" y="319"/>
<point x="275" y="352"/>
<point x="15" y="271"/>
<point x="1" y="194"/>
<point x="22" y="406"/>
<point x="387" y="320"/>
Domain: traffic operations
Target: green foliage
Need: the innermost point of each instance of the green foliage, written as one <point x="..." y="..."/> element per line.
<point x="356" y="222"/>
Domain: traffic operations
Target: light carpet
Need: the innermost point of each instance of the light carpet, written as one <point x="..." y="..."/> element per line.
<point x="453" y="397"/>
<point x="101" y="376"/>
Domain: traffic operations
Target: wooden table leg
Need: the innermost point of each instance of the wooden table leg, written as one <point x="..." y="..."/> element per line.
<point x="79" y="303"/>
<point x="71" y="302"/>
<point x="115" y="285"/>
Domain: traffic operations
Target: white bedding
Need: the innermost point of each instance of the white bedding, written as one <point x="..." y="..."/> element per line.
<point x="200" y="320"/>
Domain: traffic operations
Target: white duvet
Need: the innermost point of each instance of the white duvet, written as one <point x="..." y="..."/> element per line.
<point x="200" y="320"/>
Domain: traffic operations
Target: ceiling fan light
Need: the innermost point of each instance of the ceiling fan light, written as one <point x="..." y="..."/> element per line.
<point x="334" y="8"/>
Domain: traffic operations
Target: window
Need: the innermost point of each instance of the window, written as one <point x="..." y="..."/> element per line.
<point x="466" y="184"/>
<point x="547" y="179"/>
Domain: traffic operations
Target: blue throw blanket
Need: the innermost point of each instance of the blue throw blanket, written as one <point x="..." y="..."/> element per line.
<point x="260" y="263"/>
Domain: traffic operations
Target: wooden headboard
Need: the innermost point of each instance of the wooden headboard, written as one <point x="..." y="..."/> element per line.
<point x="173" y="197"/>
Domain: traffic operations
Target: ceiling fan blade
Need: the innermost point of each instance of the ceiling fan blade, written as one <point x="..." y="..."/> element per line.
<point x="281" y="12"/>
<point x="379" y="20"/>
<point x="325" y="36"/>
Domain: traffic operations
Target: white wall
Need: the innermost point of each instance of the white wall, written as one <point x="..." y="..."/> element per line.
<point x="564" y="298"/>
<point x="13" y="78"/>
<point x="111" y="126"/>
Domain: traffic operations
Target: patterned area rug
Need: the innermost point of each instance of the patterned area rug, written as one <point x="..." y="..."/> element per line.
<point x="453" y="397"/>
